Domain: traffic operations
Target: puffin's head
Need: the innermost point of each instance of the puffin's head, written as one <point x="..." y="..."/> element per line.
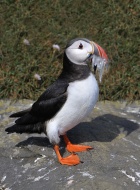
<point x="80" y="50"/>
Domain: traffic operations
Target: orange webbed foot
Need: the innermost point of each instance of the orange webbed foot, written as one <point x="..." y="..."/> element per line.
<point x="75" y="148"/>
<point x="78" y="148"/>
<point x="71" y="160"/>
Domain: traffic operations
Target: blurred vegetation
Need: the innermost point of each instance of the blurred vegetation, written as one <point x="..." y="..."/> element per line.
<point x="113" y="24"/>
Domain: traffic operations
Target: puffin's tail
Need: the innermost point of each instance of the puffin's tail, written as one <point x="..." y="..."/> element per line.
<point x="20" y="113"/>
<point x="31" y="128"/>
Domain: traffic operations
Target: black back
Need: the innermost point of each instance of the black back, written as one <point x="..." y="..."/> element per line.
<point x="52" y="100"/>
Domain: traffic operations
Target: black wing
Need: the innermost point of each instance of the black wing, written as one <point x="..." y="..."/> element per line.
<point x="48" y="104"/>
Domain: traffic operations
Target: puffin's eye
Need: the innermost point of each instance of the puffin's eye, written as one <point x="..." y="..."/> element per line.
<point x="80" y="46"/>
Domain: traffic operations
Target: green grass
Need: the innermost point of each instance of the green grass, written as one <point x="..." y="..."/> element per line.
<point x="113" y="24"/>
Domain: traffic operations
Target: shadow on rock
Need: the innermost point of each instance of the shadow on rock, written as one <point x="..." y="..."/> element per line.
<point x="38" y="141"/>
<point x="103" y="128"/>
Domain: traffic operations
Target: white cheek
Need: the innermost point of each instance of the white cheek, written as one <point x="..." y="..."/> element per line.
<point x="77" y="56"/>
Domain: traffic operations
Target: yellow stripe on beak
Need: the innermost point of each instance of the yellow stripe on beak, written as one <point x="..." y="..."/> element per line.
<point x="92" y="44"/>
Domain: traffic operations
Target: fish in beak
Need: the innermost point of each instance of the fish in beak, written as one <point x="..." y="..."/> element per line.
<point x="99" y="59"/>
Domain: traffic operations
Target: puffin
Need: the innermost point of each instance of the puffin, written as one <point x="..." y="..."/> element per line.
<point x="66" y="102"/>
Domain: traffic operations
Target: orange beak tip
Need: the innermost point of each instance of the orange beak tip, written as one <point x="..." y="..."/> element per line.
<point x="102" y="52"/>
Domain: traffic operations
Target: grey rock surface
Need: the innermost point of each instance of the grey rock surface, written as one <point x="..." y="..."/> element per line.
<point x="29" y="162"/>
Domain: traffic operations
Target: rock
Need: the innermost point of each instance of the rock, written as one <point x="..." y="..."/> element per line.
<point x="29" y="162"/>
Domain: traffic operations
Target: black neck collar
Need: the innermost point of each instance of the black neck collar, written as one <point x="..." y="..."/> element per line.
<point x="72" y="72"/>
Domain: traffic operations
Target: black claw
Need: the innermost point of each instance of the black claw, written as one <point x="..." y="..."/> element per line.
<point x="89" y="149"/>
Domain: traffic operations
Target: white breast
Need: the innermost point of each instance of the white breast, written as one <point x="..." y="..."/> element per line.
<point x="82" y="97"/>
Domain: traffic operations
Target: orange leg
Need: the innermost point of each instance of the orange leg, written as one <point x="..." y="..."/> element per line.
<point x="71" y="160"/>
<point x="75" y="148"/>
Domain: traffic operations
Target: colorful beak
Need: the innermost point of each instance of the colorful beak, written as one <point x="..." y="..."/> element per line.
<point x="98" y="50"/>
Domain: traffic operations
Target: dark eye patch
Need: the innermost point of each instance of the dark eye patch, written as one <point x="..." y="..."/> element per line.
<point x="80" y="46"/>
